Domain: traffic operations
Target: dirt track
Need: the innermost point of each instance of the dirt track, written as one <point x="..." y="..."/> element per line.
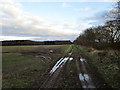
<point x="56" y="71"/>
<point x="84" y="78"/>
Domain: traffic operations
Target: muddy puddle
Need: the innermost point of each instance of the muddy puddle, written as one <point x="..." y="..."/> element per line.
<point x="86" y="81"/>
<point x="70" y="58"/>
<point x="70" y="53"/>
<point x="82" y="60"/>
<point x="60" y="63"/>
<point x="85" y="78"/>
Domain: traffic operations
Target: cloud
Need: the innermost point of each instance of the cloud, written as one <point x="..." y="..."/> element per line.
<point x="68" y="0"/>
<point x="14" y="38"/>
<point x="86" y="9"/>
<point x="96" y="19"/>
<point x="16" y="22"/>
<point x="65" y="5"/>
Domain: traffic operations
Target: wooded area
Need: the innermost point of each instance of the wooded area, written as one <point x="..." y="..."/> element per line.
<point x="105" y="36"/>
<point x="29" y="42"/>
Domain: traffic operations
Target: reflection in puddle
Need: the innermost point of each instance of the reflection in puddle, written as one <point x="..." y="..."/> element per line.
<point x="83" y="77"/>
<point x="70" y="53"/>
<point x="70" y="58"/>
<point x="59" y="63"/>
<point x="82" y="60"/>
<point x="86" y="81"/>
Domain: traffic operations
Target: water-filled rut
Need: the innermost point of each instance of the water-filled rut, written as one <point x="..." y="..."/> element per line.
<point x="56" y="71"/>
<point x="84" y="76"/>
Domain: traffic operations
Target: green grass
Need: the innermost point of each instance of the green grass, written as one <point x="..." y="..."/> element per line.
<point x="108" y="68"/>
<point x="34" y="48"/>
<point x="21" y="70"/>
<point x="67" y="49"/>
<point x="75" y="51"/>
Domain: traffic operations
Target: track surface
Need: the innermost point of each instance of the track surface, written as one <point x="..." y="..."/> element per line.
<point x="86" y="76"/>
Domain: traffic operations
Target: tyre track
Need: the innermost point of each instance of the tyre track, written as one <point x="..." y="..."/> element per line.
<point x="56" y="72"/>
<point x="88" y="76"/>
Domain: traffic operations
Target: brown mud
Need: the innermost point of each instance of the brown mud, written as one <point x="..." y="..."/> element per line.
<point x="71" y="72"/>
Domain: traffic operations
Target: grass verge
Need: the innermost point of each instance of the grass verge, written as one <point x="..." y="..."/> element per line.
<point x="106" y="63"/>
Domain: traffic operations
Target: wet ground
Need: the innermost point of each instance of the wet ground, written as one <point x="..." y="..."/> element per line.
<point x="71" y="72"/>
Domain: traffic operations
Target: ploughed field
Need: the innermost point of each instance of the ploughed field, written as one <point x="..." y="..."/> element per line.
<point x="48" y="66"/>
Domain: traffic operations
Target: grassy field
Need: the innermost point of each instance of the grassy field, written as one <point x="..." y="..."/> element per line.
<point x="32" y="48"/>
<point x="106" y="62"/>
<point x="21" y="67"/>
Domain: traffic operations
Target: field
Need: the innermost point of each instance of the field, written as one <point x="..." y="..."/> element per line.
<point x="22" y="65"/>
<point x="59" y="66"/>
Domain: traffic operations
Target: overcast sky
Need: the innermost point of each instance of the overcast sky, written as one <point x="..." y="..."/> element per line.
<point x="49" y="20"/>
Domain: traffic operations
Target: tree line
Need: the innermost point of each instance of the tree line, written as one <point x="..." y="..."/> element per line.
<point x="29" y="42"/>
<point x="104" y="36"/>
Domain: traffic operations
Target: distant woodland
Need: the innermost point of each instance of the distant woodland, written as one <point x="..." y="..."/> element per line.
<point x="29" y="42"/>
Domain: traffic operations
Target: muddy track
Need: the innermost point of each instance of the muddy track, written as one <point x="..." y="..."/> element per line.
<point x="88" y="76"/>
<point x="56" y="71"/>
<point x="83" y="73"/>
<point x="84" y="76"/>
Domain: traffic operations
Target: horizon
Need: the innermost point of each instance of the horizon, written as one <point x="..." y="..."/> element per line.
<point x="38" y="41"/>
<point x="43" y="21"/>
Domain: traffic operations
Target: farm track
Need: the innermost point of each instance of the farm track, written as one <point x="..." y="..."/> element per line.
<point x="87" y="77"/>
<point x="56" y="72"/>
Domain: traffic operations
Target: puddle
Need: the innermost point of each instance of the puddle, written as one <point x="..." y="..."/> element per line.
<point x="82" y="60"/>
<point x="51" y="51"/>
<point x="59" y="63"/>
<point x="83" y="77"/>
<point x="70" y="58"/>
<point x="70" y="53"/>
<point x="86" y="81"/>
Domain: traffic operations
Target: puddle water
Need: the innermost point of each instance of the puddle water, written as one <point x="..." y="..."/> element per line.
<point x="83" y="77"/>
<point x="70" y="53"/>
<point x="51" y="51"/>
<point x="59" y="63"/>
<point x="86" y="81"/>
<point x="82" y="60"/>
<point x="70" y="58"/>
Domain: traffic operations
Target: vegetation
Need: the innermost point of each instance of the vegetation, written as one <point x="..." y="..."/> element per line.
<point x="69" y="75"/>
<point x="32" y="48"/>
<point x="29" y="42"/>
<point x="21" y="68"/>
<point x="106" y="62"/>
<point x="101" y="45"/>
<point x="106" y="36"/>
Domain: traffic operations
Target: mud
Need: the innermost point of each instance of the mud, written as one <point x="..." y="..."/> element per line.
<point x="84" y="76"/>
<point x="71" y="72"/>
<point x="55" y="72"/>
